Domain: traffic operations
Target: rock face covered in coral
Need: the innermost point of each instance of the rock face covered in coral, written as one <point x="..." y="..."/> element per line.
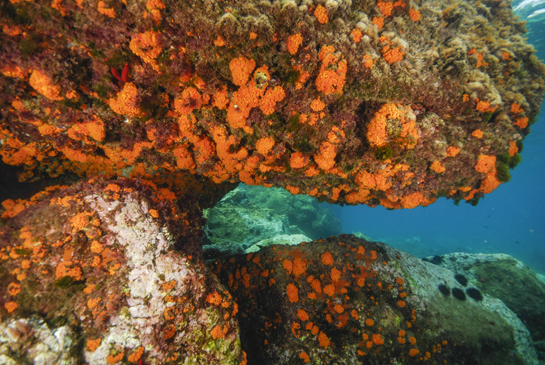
<point x="374" y="102"/>
<point x="348" y="301"/>
<point x="504" y="277"/>
<point x="111" y="272"/>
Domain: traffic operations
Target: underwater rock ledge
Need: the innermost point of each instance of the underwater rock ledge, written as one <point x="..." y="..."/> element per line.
<point x="373" y="102"/>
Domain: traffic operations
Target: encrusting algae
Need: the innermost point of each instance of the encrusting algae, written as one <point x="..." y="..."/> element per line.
<point x="342" y="91"/>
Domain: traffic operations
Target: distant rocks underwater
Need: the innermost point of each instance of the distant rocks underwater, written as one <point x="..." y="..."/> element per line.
<point x="123" y="272"/>
<point x="251" y="217"/>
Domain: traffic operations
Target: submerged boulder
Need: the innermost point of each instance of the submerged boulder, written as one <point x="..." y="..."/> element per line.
<point x="305" y="212"/>
<point x="110" y="272"/>
<point x="506" y="278"/>
<point x="291" y="240"/>
<point x="344" y="300"/>
<point x="239" y="220"/>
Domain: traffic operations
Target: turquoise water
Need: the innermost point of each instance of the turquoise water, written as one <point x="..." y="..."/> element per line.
<point x="509" y="220"/>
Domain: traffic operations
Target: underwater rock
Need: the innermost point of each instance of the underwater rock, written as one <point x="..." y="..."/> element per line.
<point x="305" y="212"/>
<point x="343" y="300"/>
<point x="39" y="344"/>
<point x="284" y="239"/>
<point x="363" y="236"/>
<point x="238" y="220"/>
<point x="357" y="102"/>
<point x="506" y="278"/>
<point x="110" y="272"/>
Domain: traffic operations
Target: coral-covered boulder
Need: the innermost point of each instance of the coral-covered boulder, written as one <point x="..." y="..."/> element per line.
<point x="108" y="272"/>
<point x="344" y="300"/>
<point x="390" y="103"/>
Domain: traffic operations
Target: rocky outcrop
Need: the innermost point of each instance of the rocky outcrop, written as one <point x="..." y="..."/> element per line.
<point x="289" y="240"/>
<point x="248" y="218"/>
<point x="112" y="271"/>
<point x="303" y="211"/>
<point x="506" y="278"/>
<point x="344" y="300"/>
<point x="107" y="272"/>
<point x="238" y="219"/>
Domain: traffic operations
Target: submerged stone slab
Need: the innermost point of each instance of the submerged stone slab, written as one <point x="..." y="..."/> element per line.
<point x="111" y="272"/>
<point x="305" y="212"/>
<point x="344" y="300"/>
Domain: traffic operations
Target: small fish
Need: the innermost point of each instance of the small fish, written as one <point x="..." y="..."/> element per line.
<point x="517" y="242"/>
<point x="485" y="227"/>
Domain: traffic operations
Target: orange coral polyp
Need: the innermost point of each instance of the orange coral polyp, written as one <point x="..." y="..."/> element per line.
<point x="437" y="167"/>
<point x="264" y="145"/>
<point x="293" y="293"/>
<point x="490" y="183"/>
<point x="477" y="133"/>
<point x="324" y="340"/>
<point x="513" y="148"/>
<point x="331" y="80"/>
<point x="294" y="41"/>
<point x="147" y="46"/>
<point x="241" y="68"/>
<point x="326" y="158"/>
<point x="385" y="7"/>
<point x="43" y="84"/>
<point x="414" y="15"/>
<point x="189" y="100"/>
<point x="321" y="14"/>
<point x="376" y="130"/>
<point x="485" y="164"/>
<point x="126" y="101"/>
<point x="392" y="55"/>
<point x="412" y="200"/>
<point x="327" y="258"/>
<point x="268" y="102"/>
<point x="317" y="105"/>
<point x="452" y="151"/>
<point x="378" y="340"/>
<point x="298" y="160"/>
